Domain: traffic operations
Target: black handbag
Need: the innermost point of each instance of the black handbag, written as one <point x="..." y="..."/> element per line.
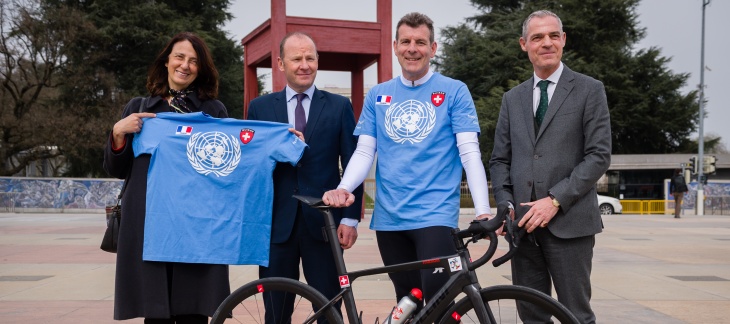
<point x="114" y="213"/>
<point x="113" y="219"/>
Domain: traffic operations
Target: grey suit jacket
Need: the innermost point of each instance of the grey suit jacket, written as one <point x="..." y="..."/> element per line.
<point x="567" y="156"/>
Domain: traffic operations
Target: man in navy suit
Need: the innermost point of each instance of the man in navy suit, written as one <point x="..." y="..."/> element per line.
<point x="551" y="145"/>
<point x="296" y="229"/>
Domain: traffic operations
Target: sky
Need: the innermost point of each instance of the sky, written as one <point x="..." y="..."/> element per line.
<point x="673" y="26"/>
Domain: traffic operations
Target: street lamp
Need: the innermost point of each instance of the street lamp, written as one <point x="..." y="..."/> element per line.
<point x="701" y="140"/>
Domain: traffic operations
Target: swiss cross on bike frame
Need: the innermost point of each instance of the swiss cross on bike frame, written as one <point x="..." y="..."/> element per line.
<point x="344" y="281"/>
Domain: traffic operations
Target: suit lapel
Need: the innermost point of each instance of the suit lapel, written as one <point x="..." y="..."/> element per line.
<point x="526" y="105"/>
<point x="280" y="107"/>
<point x="315" y="110"/>
<point x="563" y="88"/>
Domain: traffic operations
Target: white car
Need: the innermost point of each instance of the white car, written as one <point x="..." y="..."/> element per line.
<point x="609" y="205"/>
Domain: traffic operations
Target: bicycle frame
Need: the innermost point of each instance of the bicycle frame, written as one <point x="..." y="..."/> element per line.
<point x="460" y="264"/>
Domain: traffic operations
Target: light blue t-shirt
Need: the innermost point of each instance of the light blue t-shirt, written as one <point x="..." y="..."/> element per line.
<point x="418" y="170"/>
<point x="210" y="186"/>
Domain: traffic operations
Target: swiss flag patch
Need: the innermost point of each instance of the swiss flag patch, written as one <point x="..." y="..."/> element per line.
<point x="438" y="97"/>
<point x="246" y="135"/>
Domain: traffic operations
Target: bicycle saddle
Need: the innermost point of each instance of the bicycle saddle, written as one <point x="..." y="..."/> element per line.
<point x="311" y="201"/>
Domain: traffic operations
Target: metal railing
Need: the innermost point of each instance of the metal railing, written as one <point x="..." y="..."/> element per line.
<point x="466" y="201"/>
<point x="717" y="205"/>
<point x="646" y="206"/>
<point x="7" y="201"/>
<point x="714" y="205"/>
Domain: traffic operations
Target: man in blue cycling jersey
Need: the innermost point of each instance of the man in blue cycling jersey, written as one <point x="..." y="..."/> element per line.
<point x="424" y="127"/>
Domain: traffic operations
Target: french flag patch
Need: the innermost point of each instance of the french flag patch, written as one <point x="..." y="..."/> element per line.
<point x="383" y="100"/>
<point x="184" y="130"/>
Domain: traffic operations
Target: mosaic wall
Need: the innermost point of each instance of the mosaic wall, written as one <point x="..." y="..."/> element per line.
<point x="57" y="193"/>
<point x="717" y="196"/>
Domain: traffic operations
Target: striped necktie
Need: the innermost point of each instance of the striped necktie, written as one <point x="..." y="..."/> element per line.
<point x="543" y="105"/>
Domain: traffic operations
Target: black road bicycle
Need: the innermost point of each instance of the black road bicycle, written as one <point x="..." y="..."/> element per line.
<point x="495" y="304"/>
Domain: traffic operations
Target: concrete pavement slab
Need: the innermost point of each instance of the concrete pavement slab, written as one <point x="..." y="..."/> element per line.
<point x="647" y="269"/>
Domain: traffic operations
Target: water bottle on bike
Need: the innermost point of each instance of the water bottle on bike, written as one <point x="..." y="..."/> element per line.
<point x="406" y="306"/>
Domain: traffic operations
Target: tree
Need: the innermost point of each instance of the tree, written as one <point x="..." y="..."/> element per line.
<point x="69" y="66"/>
<point x="712" y="144"/>
<point x="32" y="49"/>
<point x="648" y="112"/>
<point x="108" y="65"/>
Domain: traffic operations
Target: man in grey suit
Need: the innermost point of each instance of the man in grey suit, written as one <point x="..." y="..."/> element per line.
<point x="551" y="145"/>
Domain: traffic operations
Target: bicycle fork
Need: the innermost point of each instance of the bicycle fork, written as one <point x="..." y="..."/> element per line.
<point x="484" y="314"/>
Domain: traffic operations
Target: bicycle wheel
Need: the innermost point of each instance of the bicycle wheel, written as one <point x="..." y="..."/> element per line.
<point x="246" y="304"/>
<point x="501" y="302"/>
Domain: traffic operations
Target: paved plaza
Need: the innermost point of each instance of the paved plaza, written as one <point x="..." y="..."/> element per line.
<point x="647" y="269"/>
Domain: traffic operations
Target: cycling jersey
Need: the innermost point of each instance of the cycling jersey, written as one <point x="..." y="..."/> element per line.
<point x="210" y="186"/>
<point x="418" y="171"/>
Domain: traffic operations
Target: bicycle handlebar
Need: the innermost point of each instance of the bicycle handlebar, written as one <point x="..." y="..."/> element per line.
<point x="482" y="227"/>
<point x="513" y="236"/>
<point x="477" y="230"/>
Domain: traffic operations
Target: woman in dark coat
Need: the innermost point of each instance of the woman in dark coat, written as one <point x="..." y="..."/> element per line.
<point x="182" y="79"/>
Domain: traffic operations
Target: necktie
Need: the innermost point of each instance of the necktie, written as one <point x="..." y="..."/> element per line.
<point x="300" y="119"/>
<point x="543" y="105"/>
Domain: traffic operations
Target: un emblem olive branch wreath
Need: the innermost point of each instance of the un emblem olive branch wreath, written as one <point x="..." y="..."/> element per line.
<point x="231" y="164"/>
<point x="422" y="134"/>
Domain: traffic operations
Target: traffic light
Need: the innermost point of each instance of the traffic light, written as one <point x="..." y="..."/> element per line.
<point x="693" y="164"/>
<point x="703" y="179"/>
<point x="708" y="167"/>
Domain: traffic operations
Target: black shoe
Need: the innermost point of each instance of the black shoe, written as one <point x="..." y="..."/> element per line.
<point x="676" y="216"/>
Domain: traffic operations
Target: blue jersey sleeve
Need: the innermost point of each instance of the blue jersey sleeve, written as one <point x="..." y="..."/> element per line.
<point x="290" y="148"/>
<point x="147" y="140"/>
<point x="366" y="123"/>
<point x="463" y="112"/>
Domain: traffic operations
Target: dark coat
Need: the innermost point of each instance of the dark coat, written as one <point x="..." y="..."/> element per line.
<point x="677" y="184"/>
<point x="329" y="137"/>
<point x="157" y="289"/>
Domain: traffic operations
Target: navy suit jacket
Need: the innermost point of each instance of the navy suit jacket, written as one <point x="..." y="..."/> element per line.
<point x="329" y="135"/>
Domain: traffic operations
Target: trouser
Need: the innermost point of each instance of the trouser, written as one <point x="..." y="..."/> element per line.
<point x="413" y="245"/>
<point x="678" y="196"/>
<point x="543" y="260"/>
<point x="318" y="266"/>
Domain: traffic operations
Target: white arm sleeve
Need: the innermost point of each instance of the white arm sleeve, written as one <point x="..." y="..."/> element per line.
<point x="476" y="177"/>
<point x="360" y="163"/>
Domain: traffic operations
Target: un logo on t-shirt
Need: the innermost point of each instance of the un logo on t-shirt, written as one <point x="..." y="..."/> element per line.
<point x="213" y="152"/>
<point x="410" y="121"/>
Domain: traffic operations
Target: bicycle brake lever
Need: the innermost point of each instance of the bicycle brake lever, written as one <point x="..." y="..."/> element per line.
<point x="510" y="224"/>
